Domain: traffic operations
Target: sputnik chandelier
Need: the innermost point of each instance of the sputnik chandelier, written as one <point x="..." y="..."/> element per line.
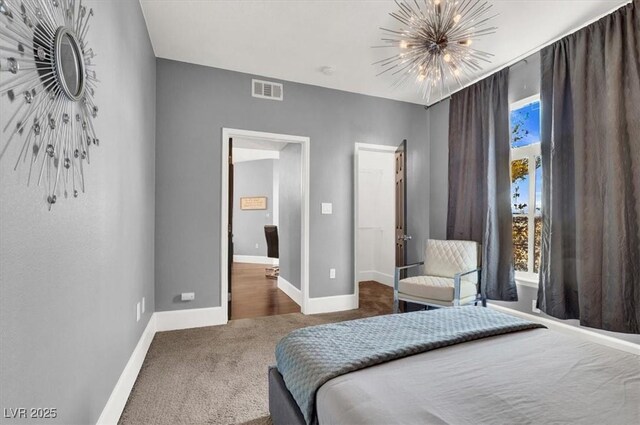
<point x="47" y="84"/>
<point x="435" y="43"/>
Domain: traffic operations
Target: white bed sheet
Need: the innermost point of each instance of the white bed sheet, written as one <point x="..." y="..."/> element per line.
<point x="530" y="377"/>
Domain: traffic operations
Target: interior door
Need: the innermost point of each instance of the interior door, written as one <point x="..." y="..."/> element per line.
<point x="230" y="227"/>
<point x="401" y="205"/>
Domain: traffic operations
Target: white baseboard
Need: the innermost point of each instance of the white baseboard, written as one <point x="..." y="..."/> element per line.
<point x="291" y="291"/>
<point x="191" y="318"/>
<point x="118" y="399"/>
<point x="255" y="259"/>
<point x="578" y="331"/>
<point x="331" y="304"/>
<point x="385" y="279"/>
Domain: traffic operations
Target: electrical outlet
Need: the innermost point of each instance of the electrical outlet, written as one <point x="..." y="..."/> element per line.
<point x="327" y="208"/>
<point x="257" y="245"/>
<point x="533" y="307"/>
<point x="143" y="305"/>
<point x="188" y="296"/>
<point x="137" y="312"/>
<point x="332" y="273"/>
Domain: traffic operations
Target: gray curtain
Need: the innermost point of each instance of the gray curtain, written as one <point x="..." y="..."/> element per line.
<point x="590" y="265"/>
<point x="479" y="184"/>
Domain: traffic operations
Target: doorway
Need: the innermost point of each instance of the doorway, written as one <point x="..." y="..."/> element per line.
<point x="380" y="212"/>
<point x="264" y="248"/>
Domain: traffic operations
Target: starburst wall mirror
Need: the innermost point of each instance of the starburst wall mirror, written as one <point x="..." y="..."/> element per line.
<point x="47" y="87"/>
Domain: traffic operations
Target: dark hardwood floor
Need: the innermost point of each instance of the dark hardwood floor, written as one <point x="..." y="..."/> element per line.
<point x="253" y="295"/>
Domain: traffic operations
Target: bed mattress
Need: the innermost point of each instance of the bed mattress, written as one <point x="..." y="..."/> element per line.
<point x="531" y="377"/>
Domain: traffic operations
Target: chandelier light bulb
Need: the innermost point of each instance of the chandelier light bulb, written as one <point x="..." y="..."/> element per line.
<point x="456" y="18"/>
<point x="404" y="44"/>
<point x="447" y="57"/>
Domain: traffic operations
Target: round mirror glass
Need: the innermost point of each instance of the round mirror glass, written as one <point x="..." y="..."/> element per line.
<point x="70" y="64"/>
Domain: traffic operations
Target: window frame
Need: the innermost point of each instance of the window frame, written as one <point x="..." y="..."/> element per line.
<point x="529" y="152"/>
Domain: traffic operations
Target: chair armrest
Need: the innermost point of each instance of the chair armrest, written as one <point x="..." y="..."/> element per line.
<point x="409" y="266"/>
<point x="396" y="275"/>
<point x="456" y="283"/>
<point x="458" y="275"/>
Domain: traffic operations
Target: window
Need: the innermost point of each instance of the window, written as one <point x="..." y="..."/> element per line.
<point x="526" y="186"/>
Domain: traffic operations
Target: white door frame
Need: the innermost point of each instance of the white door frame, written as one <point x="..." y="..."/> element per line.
<point x="359" y="147"/>
<point x="224" y="212"/>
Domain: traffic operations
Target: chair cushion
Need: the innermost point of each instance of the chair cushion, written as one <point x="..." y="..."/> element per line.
<point x="446" y="258"/>
<point x="435" y="288"/>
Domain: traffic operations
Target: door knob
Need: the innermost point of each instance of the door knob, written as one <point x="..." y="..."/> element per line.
<point x="405" y="238"/>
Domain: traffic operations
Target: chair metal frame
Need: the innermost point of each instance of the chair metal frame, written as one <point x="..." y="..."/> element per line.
<point x="457" y="281"/>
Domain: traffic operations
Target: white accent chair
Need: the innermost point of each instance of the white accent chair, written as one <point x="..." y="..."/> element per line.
<point x="451" y="276"/>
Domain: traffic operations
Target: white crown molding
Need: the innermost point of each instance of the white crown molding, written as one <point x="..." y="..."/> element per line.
<point x="292" y="292"/>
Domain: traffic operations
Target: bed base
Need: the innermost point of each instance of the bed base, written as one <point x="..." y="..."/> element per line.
<point x="283" y="408"/>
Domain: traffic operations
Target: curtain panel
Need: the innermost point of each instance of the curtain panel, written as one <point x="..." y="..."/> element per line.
<point x="479" y="207"/>
<point x="590" y="95"/>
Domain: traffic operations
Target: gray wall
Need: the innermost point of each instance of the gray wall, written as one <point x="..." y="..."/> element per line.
<point x="252" y="178"/>
<point x="70" y="278"/>
<point x="290" y="196"/>
<point x="418" y="186"/>
<point x="194" y="103"/>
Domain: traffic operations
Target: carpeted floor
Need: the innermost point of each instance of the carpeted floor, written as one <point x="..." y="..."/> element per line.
<point x="218" y="374"/>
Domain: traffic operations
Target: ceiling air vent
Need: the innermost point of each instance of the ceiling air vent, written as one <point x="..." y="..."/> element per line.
<point x="267" y="90"/>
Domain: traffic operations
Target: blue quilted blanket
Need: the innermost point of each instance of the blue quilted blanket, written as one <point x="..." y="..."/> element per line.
<point x="309" y="357"/>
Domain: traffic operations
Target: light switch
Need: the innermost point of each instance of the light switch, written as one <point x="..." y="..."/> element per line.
<point x="327" y="208"/>
<point x="137" y="312"/>
<point x="332" y="273"/>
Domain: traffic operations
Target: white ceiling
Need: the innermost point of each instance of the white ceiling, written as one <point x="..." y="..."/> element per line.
<point x="254" y="149"/>
<point x="257" y="143"/>
<point x="245" y="155"/>
<point x="292" y="39"/>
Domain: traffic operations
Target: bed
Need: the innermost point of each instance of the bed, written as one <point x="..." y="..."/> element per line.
<point x="528" y="375"/>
